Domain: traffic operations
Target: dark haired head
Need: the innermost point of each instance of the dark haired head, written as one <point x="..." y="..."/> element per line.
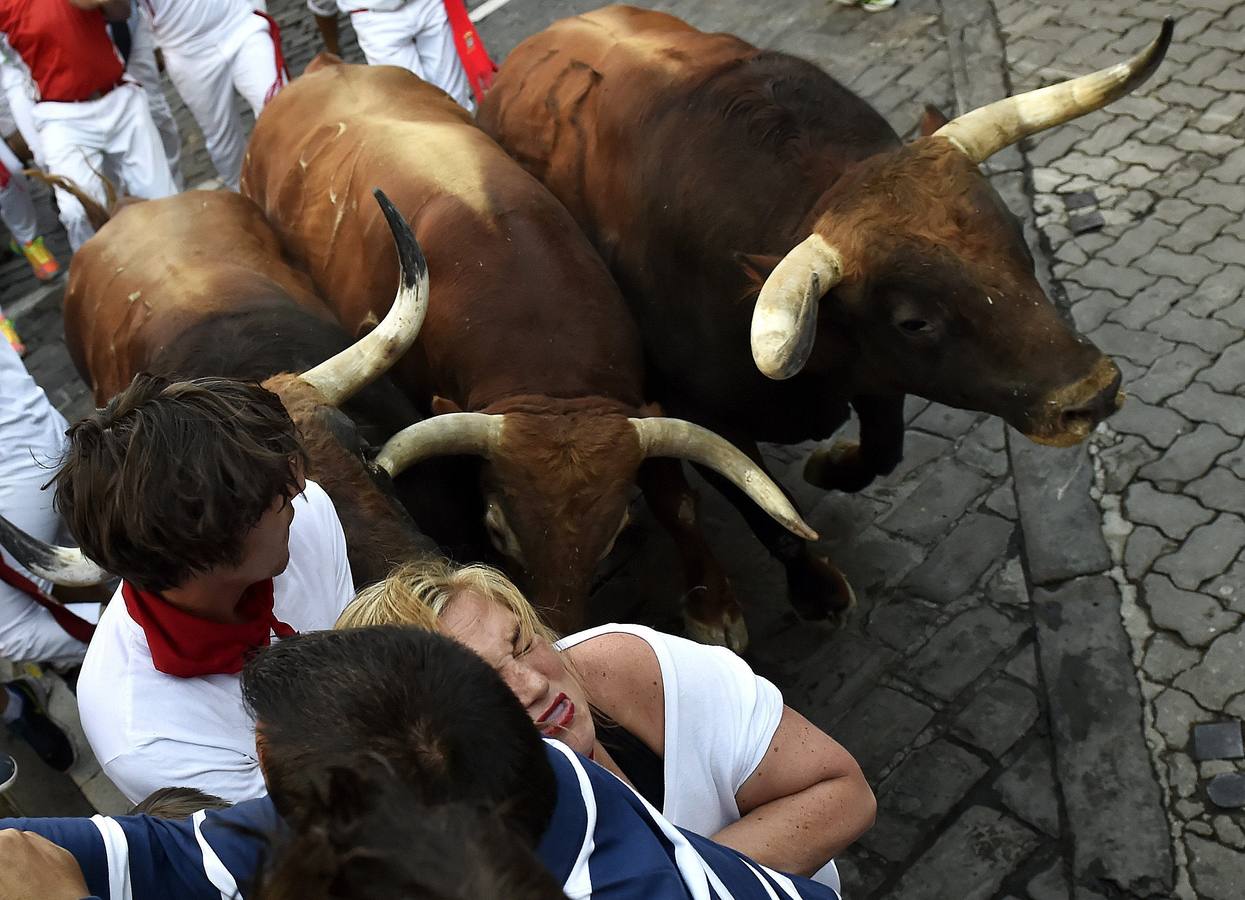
<point x="166" y="480"/>
<point x="363" y="833"/>
<point x="435" y="712"/>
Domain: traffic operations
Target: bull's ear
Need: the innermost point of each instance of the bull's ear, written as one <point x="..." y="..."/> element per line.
<point x="932" y="119"/>
<point x="651" y="410"/>
<point x="442" y="406"/>
<point x="757" y="266"/>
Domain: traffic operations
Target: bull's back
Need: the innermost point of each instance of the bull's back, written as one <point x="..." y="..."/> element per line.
<point x="677" y="150"/>
<point x="514" y="284"/>
<point x="162" y="268"/>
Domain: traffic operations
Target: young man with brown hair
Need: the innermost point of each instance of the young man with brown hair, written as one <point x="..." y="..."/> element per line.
<point x="193" y="493"/>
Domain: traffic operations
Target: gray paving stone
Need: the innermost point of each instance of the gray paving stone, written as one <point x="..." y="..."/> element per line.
<point x="1209" y="550"/>
<point x="921" y="790"/>
<point x="962" y="557"/>
<point x="1229" y="588"/>
<point x="1175" y="714"/>
<point x="1141" y="347"/>
<point x="882" y="723"/>
<point x="1121" y="280"/>
<point x="1172" y="514"/>
<point x="970" y="860"/>
<point x="1007" y="586"/>
<point x="1166" y="658"/>
<point x="1219" y="675"/>
<point x="1201" y="403"/>
<point x="1190" y="269"/>
<point x="1089" y="312"/>
<point x="905" y="624"/>
<point x="1124" y="457"/>
<point x="1028" y="788"/>
<point x="1218" y="740"/>
<point x="1137" y="241"/>
<point x="1002" y="500"/>
<point x="1156" y="157"/>
<point x="1228" y="372"/>
<point x="1198" y="229"/>
<point x="1023" y="666"/>
<point x="1224" y="249"/>
<point x="1000" y="715"/>
<point x="1209" y="192"/>
<point x="1145" y="544"/>
<point x="1057" y="515"/>
<point x="946" y="421"/>
<point x="1175" y="210"/>
<point x="1191" y="455"/>
<point x="1147" y="306"/>
<point x="1101" y="754"/>
<point x="1197" y="618"/>
<point x="1228" y="792"/>
<point x="937" y="503"/>
<point x="1209" y="334"/>
<point x="1051" y="884"/>
<point x="1168" y="375"/>
<point x="1233" y="314"/>
<point x="1219" y="489"/>
<point x="963" y="649"/>
<point x="1218" y="872"/>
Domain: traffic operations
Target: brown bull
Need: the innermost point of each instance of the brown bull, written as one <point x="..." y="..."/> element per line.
<point x="528" y="351"/>
<point x="702" y="167"/>
<point x="196" y="285"/>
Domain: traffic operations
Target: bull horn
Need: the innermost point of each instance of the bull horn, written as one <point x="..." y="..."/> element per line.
<point x="344" y="375"/>
<point x="784" y="321"/>
<point x="682" y="440"/>
<point x="60" y="565"/>
<point x="985" y="131"/>
<point x="451" y="434"/>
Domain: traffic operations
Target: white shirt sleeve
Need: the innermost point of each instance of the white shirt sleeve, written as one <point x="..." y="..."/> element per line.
<point x="165" y="763"/>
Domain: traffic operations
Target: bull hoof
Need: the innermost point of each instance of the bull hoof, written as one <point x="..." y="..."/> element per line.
<point x="820" y="591"/>
<point x="839" y="467"/>
<point x="731" y="632"/>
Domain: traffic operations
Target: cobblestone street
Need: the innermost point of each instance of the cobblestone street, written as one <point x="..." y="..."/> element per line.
<point x="1039" y="631"/>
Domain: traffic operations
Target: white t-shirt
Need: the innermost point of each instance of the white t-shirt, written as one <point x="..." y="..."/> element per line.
<point x="720" y="718"/>
<point x="196" y="25"/>
<point x="150" y="730"/>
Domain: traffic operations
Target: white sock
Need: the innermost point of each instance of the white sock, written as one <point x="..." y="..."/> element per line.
<point x="17" y="704"/>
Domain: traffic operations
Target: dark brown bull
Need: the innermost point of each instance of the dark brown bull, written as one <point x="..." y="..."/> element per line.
<point x="196" y="285"/>
<point x="528" y="352"/>
<point x="701" y="166"/>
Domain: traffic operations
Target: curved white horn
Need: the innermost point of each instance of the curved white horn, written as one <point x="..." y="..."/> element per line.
<point x="342" y="376"/>
<point x="452" y="434"/>
<point x="60" y="565"/>
<point x="985" y="131"/>
<point x="683" y="440"/>
<point x="784" y="321"/>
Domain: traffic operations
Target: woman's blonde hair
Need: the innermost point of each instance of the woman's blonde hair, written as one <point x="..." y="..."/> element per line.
<point x="418" y="593"/>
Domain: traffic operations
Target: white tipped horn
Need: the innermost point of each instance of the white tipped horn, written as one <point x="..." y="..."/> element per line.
<point x="682" y="440"/>
<point x="344" y="375"/>
<point x="988" y="129"/>
<point x="452" y="434"/>
<point x="784" y="321"/>
<point x="60" y="565"/>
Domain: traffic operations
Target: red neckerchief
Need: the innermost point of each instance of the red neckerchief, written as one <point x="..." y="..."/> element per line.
<point x="471" y="53"/>
<point x="187" y="646"/>
<point x="73" y="625"/>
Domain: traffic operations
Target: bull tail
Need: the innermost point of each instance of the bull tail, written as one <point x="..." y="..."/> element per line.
<point x="97" y="214"/>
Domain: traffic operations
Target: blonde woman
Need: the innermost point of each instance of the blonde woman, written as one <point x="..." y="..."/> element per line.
<point x="692" y="728"/>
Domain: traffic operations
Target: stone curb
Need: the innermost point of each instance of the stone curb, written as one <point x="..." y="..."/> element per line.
<point x="1105" y="774"/>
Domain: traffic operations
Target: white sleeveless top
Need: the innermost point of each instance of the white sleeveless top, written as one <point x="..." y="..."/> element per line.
<point x="720" y="719"/>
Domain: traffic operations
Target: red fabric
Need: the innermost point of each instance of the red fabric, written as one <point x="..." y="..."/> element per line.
<point x="187" y="646"/>
<point x="5" y="175"/>
<point x="68" y="50"/>
<point x="475" y="59"/>
<point x="283" y="73"/>
<point x="75" y="626"/>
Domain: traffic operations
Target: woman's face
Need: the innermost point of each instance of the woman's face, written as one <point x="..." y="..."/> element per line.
<point x="531" y="667"/>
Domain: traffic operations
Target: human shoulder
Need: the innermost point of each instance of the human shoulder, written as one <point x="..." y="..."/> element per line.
<point x="622" y="673"/>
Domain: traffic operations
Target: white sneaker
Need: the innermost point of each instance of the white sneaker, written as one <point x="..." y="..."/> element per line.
<point x="8" y="772"/>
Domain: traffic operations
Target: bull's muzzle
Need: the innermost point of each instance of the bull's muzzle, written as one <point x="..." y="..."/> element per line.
<point x="1068" y="416"/>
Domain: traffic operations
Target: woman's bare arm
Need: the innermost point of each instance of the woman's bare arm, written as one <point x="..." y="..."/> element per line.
<point x="806" y="802"/>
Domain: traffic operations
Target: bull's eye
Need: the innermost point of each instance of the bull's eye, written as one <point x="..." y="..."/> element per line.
<point x="916" y="326"/>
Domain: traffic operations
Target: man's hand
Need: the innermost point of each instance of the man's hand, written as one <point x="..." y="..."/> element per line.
<point x="32" y="866"/>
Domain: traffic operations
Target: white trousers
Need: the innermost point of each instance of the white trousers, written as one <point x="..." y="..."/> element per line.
<point x="416" y="37"/>
<point x="143" y="69"/>
<point x="17" y="91"/>
<point x="115" y="132"/>
<point x="16" y="208"/>
<point x="206" y="78"/>
<point x="28" y="633"/>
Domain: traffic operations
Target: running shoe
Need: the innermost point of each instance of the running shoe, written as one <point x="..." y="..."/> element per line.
<point x="8" y="772"/>
<point x="43" y="735"/>
<point x="9" y="333"/>
<point x="41" y="260"/>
